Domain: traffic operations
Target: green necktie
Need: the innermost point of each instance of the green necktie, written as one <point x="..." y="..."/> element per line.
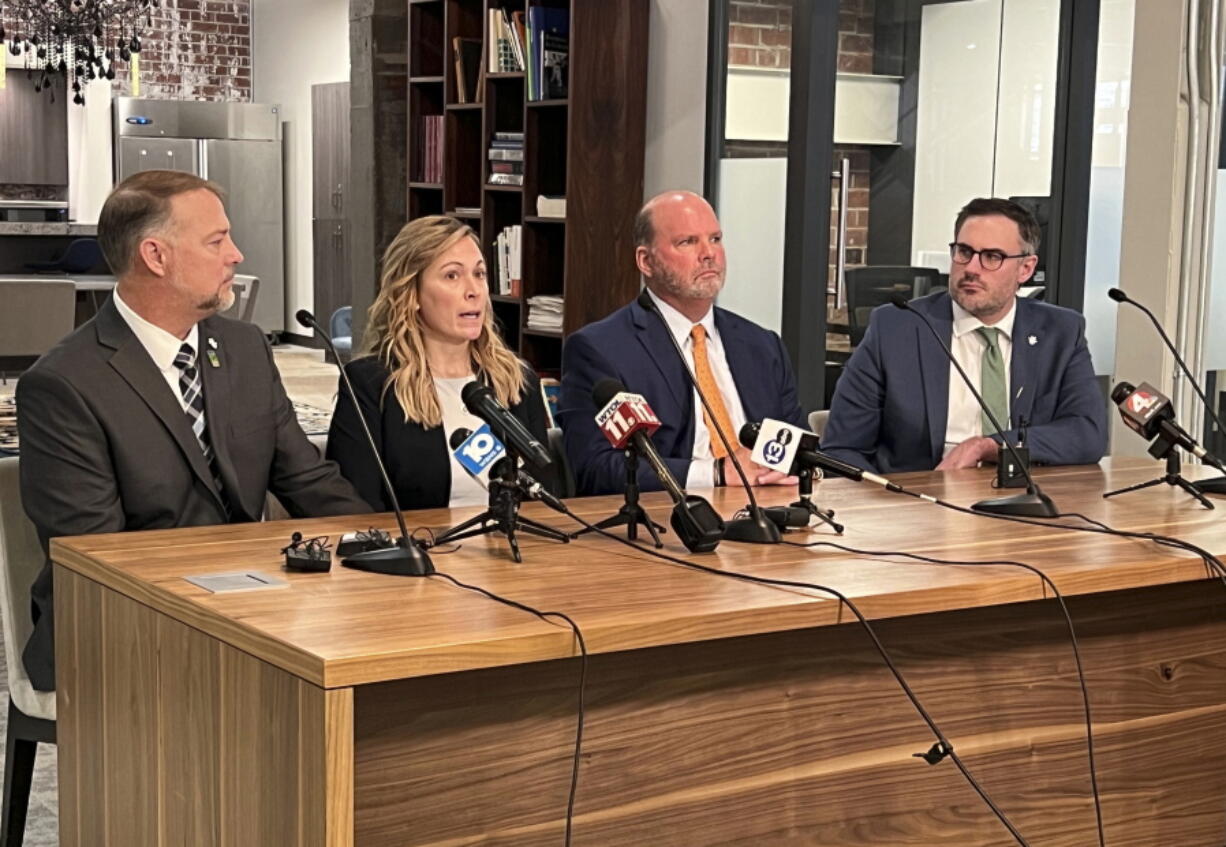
<point x="992" y="381"/>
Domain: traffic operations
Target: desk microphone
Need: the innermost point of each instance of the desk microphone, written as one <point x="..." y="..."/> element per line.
<point x="756" y="528"/>
<point x="782" y="444"/>
<point x="1208" y="486"/>
<point x="1034" y="503"/>
<point x="406" y="558"/>
<point x="625" y="419"/>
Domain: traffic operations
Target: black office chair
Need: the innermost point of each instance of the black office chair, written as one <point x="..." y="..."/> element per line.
<point x="873" y="286"/>
<point x="82" y="256"/>
<point x="565" y="477"/>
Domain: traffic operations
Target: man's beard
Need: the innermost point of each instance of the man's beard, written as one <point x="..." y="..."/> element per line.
<point x="221" y="301"/>
<point x="687" y="289"/>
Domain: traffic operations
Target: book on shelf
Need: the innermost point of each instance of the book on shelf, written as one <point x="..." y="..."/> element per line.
<point x="505" y="53"/>
<point x="555" y="58"/>
<point x="555" y="22"/>
<point x="545" y="313"/>
<point x="467" y="210"/>
<point x="467" y="69"/>
<point x="509" y="136"/>
<point x="506" y="167"/>
<point x="506" y="154"/>
<point x="429" y="134"/>
<point x="506" y="179"/>
<point x="508" y="258"/>
<point x="551" y="206"/>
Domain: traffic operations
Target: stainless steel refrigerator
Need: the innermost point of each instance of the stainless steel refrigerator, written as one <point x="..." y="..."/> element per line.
<point x="236" y="145"/>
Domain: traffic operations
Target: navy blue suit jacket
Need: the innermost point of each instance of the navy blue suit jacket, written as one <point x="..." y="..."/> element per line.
<point x="632" y="345"/>
<point x="891" y="404"/>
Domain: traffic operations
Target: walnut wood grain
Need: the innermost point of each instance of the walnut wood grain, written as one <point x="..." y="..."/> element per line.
<point x="177" y="738"/>
<point x="368" y="628"/>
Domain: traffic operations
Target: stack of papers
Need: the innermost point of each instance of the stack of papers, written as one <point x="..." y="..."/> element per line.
<point x="545" y="312"/>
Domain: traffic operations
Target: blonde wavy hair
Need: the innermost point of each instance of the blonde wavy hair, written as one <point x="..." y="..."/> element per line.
<point x="394" y="325"/>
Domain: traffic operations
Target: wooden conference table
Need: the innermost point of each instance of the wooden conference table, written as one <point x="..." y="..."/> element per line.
<point x="357" y="709"/>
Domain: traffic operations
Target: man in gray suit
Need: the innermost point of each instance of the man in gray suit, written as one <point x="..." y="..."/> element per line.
<point x="158" y="413"/>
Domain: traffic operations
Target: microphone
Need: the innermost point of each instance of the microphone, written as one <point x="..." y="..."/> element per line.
<point x="407" y="558"/>
<point x="478" y="452"/>
<point x="755" y="528"/>
<point x="1034" y="503"/>
<point x="780" y="444"/>
<point x="481" y="401"/>
<point x="1211" y="486"/>
<point x="1149" y="413"/>
<point x="626" y="419"/>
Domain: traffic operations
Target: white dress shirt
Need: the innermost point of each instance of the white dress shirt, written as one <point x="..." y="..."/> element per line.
<point x="161" y="345"/>
<point x="965" y="417"/>
<point x="465" y="491"/>
<point x="702" y="466"/>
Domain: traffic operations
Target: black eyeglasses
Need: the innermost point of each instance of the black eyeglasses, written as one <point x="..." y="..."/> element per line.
<point x="991" y="260"/>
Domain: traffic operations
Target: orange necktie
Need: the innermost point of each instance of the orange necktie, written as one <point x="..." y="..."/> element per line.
<point x="710" y="390"/>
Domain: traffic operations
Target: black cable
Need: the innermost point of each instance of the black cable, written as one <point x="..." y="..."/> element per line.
<point x="940" y="750"/>
<point x="574" y="771"/>
<point x="1068" y="619"/>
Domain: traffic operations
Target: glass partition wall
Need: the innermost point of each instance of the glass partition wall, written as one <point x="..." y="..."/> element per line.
<point x="930" y="103"/>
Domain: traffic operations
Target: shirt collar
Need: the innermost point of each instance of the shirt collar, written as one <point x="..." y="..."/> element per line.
<point x="161" y="345"/>
<point x="965" y="322"/>
<point x="679" y="325"/>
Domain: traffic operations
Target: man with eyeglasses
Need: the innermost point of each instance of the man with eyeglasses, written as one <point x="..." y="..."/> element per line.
<point x="901" y="405"/>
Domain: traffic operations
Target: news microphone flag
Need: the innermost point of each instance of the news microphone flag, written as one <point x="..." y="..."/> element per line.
<point x="777" y="444"/>
<point x="479" y="451"/>
<point x="625" y="415"/>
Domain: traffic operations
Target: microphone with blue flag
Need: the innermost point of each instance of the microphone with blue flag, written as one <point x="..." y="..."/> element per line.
<point x="478" y="452"/>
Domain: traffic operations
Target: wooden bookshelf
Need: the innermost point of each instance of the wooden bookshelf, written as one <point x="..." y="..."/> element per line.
<point x="587" y="146"/>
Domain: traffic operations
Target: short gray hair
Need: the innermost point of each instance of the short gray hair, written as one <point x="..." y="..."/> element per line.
<point x="140" y="206"/>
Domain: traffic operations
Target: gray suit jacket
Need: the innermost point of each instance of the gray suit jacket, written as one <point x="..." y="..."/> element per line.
<point x="106" y="447"/>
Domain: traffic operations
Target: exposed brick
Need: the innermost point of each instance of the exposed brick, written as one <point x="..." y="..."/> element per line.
<point x="740" y="56"/>
<point x="777" y="37"/>
<point x="744" y="36"/>
<point x="855" y="44"/>
<point x="753" y="14"/>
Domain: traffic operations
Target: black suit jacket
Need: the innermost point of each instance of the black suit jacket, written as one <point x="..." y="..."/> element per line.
<point x="106" y="447"/>
<point x="418" y="460"/>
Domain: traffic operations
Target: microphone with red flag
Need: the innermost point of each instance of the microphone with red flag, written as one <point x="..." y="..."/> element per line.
<point x="623" y="416"/>
<point x="1149" y="413"/>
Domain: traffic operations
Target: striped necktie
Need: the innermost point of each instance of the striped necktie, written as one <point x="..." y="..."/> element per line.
<point x="191" y="387"/>
<point x="992" y="381"/>
<point x="710" y="389"/>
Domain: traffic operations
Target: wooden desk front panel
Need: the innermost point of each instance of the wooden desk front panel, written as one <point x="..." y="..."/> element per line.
<point x="171" y="737"/>
<point x="804" y="737"/>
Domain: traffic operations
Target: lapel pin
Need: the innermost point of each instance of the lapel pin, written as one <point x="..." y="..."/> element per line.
<point x="1032" y="340"/>
<point x="213" y="360"/>
<point x="213" y="343"/>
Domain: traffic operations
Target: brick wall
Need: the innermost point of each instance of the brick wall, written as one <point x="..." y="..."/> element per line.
<point x="760" y="36"/>
<point x="194" y="50"/>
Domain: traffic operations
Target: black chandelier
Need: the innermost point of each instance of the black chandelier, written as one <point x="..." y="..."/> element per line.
<point x="79" y="40"/>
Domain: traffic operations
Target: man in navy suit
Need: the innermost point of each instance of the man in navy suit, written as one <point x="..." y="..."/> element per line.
<point x="680" y="254"/>
<point x="901" y="406"/>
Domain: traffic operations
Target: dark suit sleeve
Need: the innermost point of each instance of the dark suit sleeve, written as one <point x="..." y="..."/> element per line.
<point x="853" y="428"/>
<point x="67" y="488"/>
<point x="305" y="484"/>
<point x="789" y="404"/>
<point x="598" y="467"/>
<point x="1077" y="432"/>
<point x="347" y="444"/>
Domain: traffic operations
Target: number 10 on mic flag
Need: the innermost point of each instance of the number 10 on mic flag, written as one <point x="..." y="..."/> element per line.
<point x="480" y="450"/>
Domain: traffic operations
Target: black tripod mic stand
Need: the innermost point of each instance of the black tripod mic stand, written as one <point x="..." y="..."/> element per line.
<point x="1172" y="477"/>
<point x="631" y="514"/>
<point x="805" y="490"/>
<point x="502" y="515"/>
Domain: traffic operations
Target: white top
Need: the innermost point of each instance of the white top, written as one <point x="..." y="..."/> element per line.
<point x="161" y="346"/>
<point x="965" y="418"/>
<point x="702" y="468"/>
<point x="465" y="491"/>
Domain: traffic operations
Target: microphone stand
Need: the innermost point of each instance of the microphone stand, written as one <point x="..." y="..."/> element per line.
<point x="1163" y="448"/>
<point x="631" y="514"/>
<point x="407" y="557"/>
<point x="757" y="528"/>
<point x="502" y="515"/>
<point x="1034" y="503"/>
<point x="1216" y="485"/>
<point x="805" y="490"/>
